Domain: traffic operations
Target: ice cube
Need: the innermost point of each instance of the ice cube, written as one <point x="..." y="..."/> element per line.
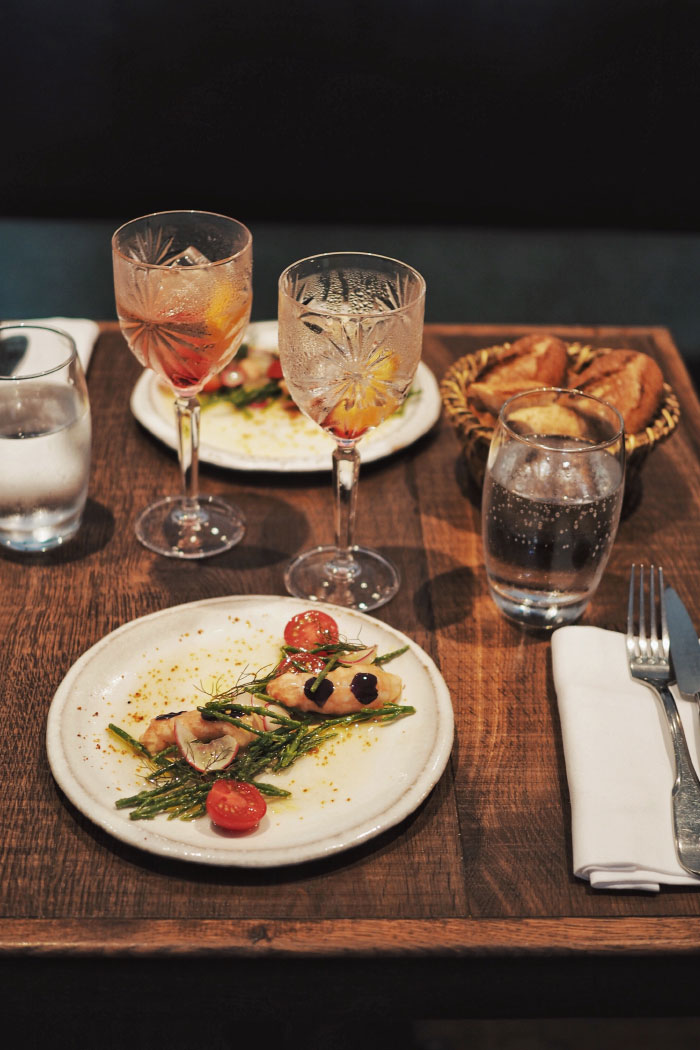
<point x="189" y="257"/>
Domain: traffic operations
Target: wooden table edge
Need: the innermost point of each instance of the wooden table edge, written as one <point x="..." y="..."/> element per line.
<point x="407" y="938"/>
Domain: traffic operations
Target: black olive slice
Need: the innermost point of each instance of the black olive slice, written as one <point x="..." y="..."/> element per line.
<point x="321" y="693"/>
<point x="364" y="687"/>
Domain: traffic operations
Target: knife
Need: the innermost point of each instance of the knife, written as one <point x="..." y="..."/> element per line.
<point x="685" y="648"/>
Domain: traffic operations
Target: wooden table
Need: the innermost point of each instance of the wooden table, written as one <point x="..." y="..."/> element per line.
<point x="469" y="907"/>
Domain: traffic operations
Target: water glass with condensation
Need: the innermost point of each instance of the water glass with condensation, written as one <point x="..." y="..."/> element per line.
<point x="45" y="438"/>
<point x="551" y="504"/>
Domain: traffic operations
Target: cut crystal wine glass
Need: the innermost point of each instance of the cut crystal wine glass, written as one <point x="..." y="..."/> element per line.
<point x="183" y="288"/>
<point x="350" y="339"/>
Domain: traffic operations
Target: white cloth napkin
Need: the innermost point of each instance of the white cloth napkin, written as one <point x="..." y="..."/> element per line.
<point x="83" y="332"/>
<point x="619" y="764"/>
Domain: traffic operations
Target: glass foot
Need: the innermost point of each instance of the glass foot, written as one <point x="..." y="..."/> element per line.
<point x="358" y="579"/>
<point x="178" y="529"/>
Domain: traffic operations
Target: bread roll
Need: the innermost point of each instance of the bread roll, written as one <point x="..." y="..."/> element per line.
<point x="627" y="379"/>
<point x="530" y="362"/>
<point x="547" y="421"/>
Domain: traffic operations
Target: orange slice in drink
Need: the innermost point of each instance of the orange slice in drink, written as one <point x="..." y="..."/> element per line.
<point x="225" y="314"/>
<point x="218" y="314"/>
<point x="365" y="400"/>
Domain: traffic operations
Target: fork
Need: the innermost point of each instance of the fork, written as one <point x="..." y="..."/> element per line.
<point x="647" y="655"/>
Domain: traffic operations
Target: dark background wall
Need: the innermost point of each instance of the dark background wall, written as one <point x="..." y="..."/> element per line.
<point x="489" y="112"/>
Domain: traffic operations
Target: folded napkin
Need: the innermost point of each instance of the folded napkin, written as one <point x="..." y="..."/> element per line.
<point x="83" y="332"/>
<point x="619" y="764"/>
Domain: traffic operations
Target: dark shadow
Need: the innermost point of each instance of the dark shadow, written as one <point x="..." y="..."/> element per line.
<point x="94" y="533"/>
<point x="456" y="586"/>
<point x="275" y="531"/>
<point x="466" y="483"/>
<point x="634" y="490"/>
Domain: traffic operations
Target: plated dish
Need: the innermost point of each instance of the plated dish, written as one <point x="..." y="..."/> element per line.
<point x="353" y="789"/>
<point x="274" y="439"/>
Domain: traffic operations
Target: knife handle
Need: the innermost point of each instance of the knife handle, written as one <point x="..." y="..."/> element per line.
<point x="686" y="789"/>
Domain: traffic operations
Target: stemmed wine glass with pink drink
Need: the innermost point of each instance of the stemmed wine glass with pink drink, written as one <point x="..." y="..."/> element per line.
<point x="183" y="288"/>
<point x="350" y="339"/>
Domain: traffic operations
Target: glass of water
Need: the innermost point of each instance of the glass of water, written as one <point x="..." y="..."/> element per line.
<point x="551" y="503"/>
<point x="45" y="438"/>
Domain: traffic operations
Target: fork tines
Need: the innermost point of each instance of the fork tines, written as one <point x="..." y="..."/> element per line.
<point x="640" y="645"/>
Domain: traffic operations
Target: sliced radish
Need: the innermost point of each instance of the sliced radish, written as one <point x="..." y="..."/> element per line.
<point x="205" y="756"/>
<point x="270" y="723"/>
<point x="361" y="656"/>
<point x="247" y="700"/>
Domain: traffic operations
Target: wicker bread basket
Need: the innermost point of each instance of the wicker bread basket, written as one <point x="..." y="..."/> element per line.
<point x="476" y="437"/>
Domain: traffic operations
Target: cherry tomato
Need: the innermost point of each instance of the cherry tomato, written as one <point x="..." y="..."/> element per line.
<point x="311" y="663"/>
<point x="274" y="370"/>
<point x="235" y="805"/>
<point x="212" y="384"/>
<point x="309" y="629"/>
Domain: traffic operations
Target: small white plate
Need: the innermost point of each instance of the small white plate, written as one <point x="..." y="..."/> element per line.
<point x="274" y="439"/>
<point x="357" y="786"/>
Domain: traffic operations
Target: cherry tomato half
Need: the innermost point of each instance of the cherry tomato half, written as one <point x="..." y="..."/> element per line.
<point x="309" y="663"/>
<point x="274" y="371"/>
<point x="235" y="805"/>
<point x="212" y="384"/>
<point x="309" y="629"/>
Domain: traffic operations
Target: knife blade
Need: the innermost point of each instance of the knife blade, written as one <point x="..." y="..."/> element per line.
<point x="685" y="648"/>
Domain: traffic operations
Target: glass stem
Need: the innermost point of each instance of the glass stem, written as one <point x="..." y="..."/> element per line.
<point x="187" y="413"/>
<point x="346" y="469"/>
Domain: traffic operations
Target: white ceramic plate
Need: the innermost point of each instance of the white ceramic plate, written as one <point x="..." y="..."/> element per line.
<point x="273" y="439"/>
<point x="353" y="789"/>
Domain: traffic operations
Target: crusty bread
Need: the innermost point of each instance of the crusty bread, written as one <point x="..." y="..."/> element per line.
<point x="530" y="362"/>
<point x="552" y="420"/>
<point x="627" y="379"/>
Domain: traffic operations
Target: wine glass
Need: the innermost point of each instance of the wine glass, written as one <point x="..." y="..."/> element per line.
<point x="183" y="288"/>
<point x="350" y="338"/>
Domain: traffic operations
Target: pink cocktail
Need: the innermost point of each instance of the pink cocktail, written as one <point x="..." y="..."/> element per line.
<point x="183" y="289"/>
